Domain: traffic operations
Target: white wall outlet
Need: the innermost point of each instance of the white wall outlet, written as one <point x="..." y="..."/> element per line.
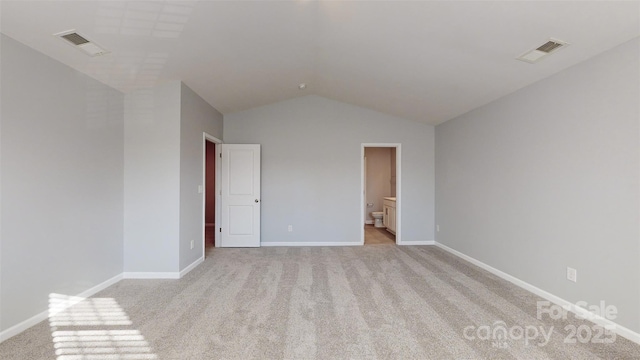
<point x="572" y="274"/>
<point x="290" y="228"/>
<point x="199" y="189"/>
<point x="438" y="228"/>
<point x="192" y="244"/>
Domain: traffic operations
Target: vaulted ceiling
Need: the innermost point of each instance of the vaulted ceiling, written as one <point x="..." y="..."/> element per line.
<point x="428" y="61"/>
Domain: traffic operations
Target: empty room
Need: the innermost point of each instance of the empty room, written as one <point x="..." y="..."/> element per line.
<point x="312" y="179"/>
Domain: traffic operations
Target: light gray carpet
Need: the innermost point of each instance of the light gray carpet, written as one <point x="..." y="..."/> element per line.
<point x="370" y="302"/>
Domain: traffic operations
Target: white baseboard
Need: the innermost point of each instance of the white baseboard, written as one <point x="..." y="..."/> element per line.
<point x="618" y="329"/>
<point x="151" y="275"/>
<point x="299" y="243"/>
<point x="423" y="242"/>
<point x="368" y="222"/>
<point x="34" y="320"/>
<point x="352" y="243"/>
<point x="191" y="267"/>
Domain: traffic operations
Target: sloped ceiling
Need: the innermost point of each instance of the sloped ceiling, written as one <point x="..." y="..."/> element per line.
<point x="428" y="61"/>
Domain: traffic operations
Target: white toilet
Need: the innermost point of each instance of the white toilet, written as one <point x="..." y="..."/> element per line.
<point x="377" y="219"/>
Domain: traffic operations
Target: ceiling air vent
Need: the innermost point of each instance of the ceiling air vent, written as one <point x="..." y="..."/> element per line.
<point x="75" y="39"/>
<point x="535" y="55"/>
<point x="80" y="42"/>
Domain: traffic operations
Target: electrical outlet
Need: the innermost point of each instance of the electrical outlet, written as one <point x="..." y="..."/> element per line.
<point x="200" y="189"/>
<point x="192" y="244"/>
<point x="438" y="228"/>
<point x="290" y="228"/>
<point x="572" y="274"/>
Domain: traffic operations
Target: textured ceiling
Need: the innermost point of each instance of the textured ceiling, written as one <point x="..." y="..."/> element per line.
<point x="423" y="60"/>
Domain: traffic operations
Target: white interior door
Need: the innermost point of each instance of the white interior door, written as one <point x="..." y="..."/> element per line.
<point x="240" y="186"/>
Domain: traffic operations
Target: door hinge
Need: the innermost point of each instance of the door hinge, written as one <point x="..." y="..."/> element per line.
<point x="220" y="229"/>
<point x="220" y="155"/>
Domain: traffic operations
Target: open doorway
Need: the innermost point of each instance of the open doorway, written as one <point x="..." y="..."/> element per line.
<point x="211" y="198"/>
<point x="381" y="194"/>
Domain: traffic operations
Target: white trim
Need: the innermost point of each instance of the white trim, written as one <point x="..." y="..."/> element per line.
<point x="300" y="243"/>
<point x="618" y="329"/>
<point x="364" y="193"/>
<point x="363" y="169"/>
<point x="368" y="222"/>
<point x="398" y="147"/>
<point x="151" y="275"/>
<point x="420" y="242"/>
<point x="34" y="320"/>
<point x="191" y="267"/>
<point x="398" y="194"/>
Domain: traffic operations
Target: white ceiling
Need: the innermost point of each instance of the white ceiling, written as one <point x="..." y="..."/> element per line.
<point x="423" y="60"/>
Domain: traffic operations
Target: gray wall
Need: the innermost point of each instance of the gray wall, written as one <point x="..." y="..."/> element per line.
<point x="152" y="179"/>
<point x="163" y="168"/>
<point x="378" y="177"/>
<point x="197" y="116"/>
<point x="548" y="177"/>
<point x="311" y="151"/>
<point x="61" y="182"/>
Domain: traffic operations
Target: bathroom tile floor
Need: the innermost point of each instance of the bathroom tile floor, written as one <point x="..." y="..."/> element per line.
<point x="375" y="236"/>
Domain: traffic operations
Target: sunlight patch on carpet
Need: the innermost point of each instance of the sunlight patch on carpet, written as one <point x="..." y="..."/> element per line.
<point x="94" y="329"/>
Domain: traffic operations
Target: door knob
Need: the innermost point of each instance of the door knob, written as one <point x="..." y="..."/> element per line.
<point x="256" y="200"/>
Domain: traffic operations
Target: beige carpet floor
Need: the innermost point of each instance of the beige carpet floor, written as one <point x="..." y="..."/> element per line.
<point x="369" y="302"/>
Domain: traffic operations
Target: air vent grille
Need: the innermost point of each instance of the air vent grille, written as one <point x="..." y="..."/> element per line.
<point x="81" y="42"/>
<point x="549" y="46"/>
<point x="75" y="39"/>
<point x="535" y="55"/>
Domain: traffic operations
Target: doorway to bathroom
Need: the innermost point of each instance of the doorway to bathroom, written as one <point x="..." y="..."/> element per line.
<point x="380" y="195"/>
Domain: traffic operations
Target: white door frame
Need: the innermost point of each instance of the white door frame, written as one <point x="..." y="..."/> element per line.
<point x="206" y="137"/>
<point x="398" y="147"/>
<point x="364" y="193"/>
